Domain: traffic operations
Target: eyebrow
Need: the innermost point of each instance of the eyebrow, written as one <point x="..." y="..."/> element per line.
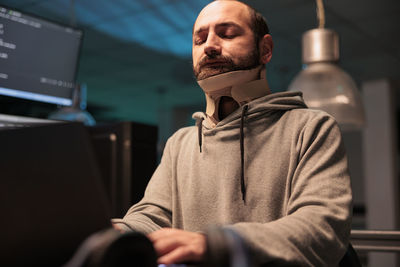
<point x="223" y="24"/>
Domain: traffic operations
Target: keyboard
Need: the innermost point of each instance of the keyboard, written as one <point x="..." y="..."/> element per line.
<point x="15" y="122"/>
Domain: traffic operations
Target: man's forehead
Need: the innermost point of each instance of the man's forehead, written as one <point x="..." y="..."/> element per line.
<point x="219" y="12"/>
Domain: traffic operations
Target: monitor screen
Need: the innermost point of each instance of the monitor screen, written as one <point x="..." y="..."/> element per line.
<point x="38" y="58"/>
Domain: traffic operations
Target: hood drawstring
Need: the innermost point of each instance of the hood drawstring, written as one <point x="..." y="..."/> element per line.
<point x="242" y="183"/>
<point x="199" y="132"/>
<point x="199" y="124"/>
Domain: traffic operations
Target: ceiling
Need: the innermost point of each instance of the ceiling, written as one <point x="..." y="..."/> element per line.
<point x="136" y="54"/>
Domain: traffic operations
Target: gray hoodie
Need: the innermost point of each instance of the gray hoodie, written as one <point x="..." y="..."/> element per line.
<point x="273" y="171"/>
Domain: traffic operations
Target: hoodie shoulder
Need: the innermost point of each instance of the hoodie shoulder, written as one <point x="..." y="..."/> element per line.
<point x="305" y="119"/>
<point x="311" y="114"/>
<point x="183" y="137"/>
<point x="182" y="132"/>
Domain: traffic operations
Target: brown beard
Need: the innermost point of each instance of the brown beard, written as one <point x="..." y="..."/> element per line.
<point x="202" y="71"/>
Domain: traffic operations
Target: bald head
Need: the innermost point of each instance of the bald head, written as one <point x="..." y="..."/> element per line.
<point x="232" y="5"/>
<point x="256" y="20"/>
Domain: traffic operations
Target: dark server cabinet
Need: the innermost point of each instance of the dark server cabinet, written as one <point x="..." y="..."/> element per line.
<point x="127" y="157"/>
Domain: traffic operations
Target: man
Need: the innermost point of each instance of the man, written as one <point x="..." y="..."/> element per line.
<point x="260" y="164"/>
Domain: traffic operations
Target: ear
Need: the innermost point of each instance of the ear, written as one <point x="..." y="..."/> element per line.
<point x="265" y="47"/>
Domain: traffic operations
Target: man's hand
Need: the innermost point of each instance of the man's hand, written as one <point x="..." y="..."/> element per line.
<point x="178" y="246"/>
<point x="118" y="228"/>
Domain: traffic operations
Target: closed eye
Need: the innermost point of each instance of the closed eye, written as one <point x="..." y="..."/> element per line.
<point x="229" y="31"/>
<point x="228" y="35"/>
<point x="198" y="41"/>
<point x="200" y="37"/>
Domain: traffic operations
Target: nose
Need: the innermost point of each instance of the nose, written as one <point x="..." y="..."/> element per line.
<point x="213" y="46"/>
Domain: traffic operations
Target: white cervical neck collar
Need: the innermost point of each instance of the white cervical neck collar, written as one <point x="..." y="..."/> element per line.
<point x="242" y="85"/>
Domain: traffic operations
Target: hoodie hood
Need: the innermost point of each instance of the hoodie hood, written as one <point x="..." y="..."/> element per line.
<point x="258" y="107"/>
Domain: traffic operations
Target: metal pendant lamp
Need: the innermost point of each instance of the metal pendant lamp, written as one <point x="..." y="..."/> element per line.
<point x="324" y="84"/>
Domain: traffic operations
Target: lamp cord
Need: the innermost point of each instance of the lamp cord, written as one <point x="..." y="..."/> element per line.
<point x="320" y="14"/>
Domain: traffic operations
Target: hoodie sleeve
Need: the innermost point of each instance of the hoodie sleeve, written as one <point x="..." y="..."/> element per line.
<point x="316" y="228"/>
<point x="154" y="210"/>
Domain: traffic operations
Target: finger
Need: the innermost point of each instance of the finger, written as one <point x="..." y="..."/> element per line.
<point x="166" y="244"/>
<point x="118" y="228"/>
<point x="179" y="255"/>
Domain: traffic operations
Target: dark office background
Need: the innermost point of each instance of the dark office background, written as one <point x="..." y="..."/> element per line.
<point x="136" y="55"/>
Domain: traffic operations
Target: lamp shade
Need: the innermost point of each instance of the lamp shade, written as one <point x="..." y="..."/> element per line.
<point x="324" y="84"/>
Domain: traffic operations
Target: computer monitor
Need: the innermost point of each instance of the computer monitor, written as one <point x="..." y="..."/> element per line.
<point x="38" y="58"/>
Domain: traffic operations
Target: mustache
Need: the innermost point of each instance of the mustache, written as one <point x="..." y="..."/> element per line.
<point x="219" y="58"/>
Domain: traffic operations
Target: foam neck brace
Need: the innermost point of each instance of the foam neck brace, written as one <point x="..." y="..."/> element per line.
<point x="243" y="86"/>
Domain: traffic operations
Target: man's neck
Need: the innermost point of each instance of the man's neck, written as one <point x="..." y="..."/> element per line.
<point x="226" y="106"/>
<point x="226" y="92"/>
